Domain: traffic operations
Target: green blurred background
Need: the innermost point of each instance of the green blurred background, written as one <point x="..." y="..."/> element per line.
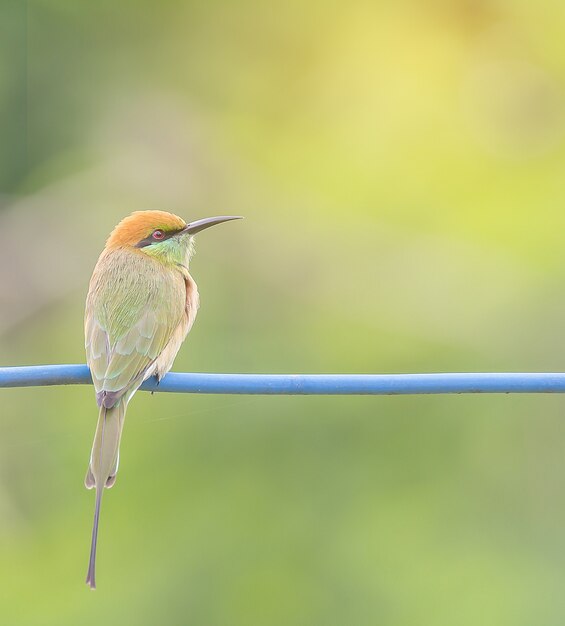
<point x="400" y="165"/>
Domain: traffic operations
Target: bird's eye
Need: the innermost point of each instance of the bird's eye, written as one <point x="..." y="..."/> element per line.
<point x="158" y="234"/>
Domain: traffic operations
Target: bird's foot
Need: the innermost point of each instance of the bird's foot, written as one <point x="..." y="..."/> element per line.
<point x="158" y="379"/>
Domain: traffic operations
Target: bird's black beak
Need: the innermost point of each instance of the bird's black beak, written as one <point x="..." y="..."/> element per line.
<point x="198" y="225"/>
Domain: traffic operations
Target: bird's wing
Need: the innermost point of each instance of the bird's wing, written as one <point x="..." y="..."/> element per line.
<point x="128" y="323"/>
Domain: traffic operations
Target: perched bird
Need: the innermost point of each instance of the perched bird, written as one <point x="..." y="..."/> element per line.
<point x="140" y="306"/>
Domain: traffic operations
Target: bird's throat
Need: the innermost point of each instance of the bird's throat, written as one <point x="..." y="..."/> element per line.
<point x="173" y="252"/>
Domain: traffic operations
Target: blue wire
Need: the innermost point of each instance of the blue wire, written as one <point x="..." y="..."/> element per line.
<point x="303" y="384"/>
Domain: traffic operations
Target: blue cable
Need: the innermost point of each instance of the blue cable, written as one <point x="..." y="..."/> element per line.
<point x="303" y="384"/>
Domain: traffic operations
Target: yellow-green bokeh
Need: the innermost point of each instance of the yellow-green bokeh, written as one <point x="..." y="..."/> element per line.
<point x="401" y="169"/>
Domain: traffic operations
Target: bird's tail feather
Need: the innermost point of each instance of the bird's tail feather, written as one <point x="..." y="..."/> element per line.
<point x="91" y="574"/>
<point x="103" y="467"/>
<point x="105" y="455"/>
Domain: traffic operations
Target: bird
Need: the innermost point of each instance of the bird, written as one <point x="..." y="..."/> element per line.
<point x="141" y="304"/>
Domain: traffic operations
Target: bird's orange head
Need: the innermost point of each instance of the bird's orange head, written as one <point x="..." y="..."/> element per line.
<point x="162" y="235"/>
<point x="145" y="226"/>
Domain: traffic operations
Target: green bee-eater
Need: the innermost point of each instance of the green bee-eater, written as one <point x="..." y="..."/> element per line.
<point x="140" y="306"/>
